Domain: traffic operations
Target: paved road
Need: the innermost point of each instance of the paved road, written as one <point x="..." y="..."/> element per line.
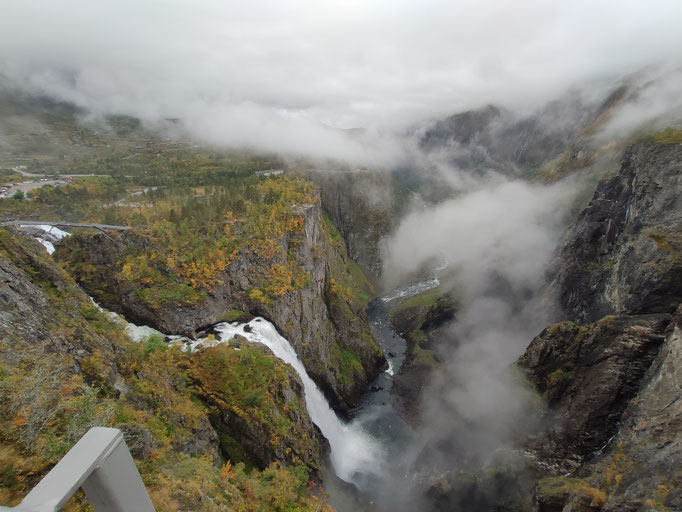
<point x="31" y="175"/>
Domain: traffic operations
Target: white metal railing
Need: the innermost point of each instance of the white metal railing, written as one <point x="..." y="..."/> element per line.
<point x="102" y="466"/>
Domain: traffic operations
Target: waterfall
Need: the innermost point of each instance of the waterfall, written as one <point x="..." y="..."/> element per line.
<point x="50" y="234"/>
<point x="353" y="451"/>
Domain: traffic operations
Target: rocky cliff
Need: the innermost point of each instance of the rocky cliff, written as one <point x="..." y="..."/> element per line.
<point x="360" y="205"/>
<point x="614" y="410"/>
<point x="624" y="252"/>
<point x="66" y="366"/>
<point x="610" y="384"/>
<point x="302" y="281"/>
<point x="607" y="395"/>
<point x="587" y="376"/>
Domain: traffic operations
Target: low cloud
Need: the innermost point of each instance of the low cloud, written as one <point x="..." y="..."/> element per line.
<point x="497" y="239"/>
<point x="655" y="104"/>
<point x="278" y="75"/>
<point x="497" y="227"/>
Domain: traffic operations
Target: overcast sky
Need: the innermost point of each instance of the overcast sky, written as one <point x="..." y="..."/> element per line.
<point x="278" y="70"/>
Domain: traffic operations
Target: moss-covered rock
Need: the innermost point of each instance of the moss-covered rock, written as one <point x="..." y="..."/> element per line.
<point x="587" y="376"/>
<point x="418" y="320"/>
<point x="300" y="279"/>
<point x="256" y="403"/>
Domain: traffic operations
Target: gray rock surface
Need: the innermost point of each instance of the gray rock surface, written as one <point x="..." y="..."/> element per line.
<point x="623" y="255"/>
<point x="587" y="376"/>
<point x="360" y="204"/>
<point x="611" y="390"/>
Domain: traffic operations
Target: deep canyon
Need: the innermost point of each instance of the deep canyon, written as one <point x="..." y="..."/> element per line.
<point x="492" y="324"/>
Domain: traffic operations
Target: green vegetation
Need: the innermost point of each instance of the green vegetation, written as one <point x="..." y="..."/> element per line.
<point x="192" y="252"/>
<point x="594" y="267"/>
<point x="349" y="282"/>
<point x="669" y="243"/>
<point x="333" y="234"/>
<point x="560" y="377"/>
<point x="234" y="316"/>
<point x="350" y="366"/>
<point x="412" y="315"/>
<point x="667" y="136"/>
<point x="566" y="163"/>
<point x="428" y="298"/>
<point x="153" y="343"/>
<point x="163" y="402"/>
<point x="561" y="488"/>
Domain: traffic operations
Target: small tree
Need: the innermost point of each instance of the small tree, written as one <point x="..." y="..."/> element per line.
<point x="18" y="195"/>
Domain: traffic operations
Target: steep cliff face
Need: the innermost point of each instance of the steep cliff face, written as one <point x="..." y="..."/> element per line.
<point x="303" y="283"/>
<point x="40" y="305"/>
<point x="587" y="375"/>
<point x="649" y="439"/>
<point x="623" y="255"/>
<point x="614" y="410"/>
<point x="360" y="205"/>
<point x="610" y="390"/>
<point x="256" y="404"/>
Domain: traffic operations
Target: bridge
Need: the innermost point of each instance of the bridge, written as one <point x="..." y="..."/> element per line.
<point x="101" y="227"/>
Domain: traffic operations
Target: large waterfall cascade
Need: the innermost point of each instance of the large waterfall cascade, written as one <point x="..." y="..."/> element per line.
<point x="353" y="451"/>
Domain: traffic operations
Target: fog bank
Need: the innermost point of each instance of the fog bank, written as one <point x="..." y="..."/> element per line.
<point x="293" y="75"/>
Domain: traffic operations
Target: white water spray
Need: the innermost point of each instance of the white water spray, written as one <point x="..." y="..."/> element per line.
<point x="353" y="451"/>
<point x="51" y="234"/>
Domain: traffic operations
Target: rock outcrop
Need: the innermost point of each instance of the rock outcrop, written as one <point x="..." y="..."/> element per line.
<point x="587" y="376"/>
<point x="267" y="422"/>
<point x="637" y="468"/>
<point x="66" y="366"/>
<point x="52" y="328"/>
<point x="623" y="255"/>
<point x="649" y="446"/>
<point x="610" y="383"/>
<point x="420" y="321"/>
<point x="36" y="295"/>
<point x="323" y="318"/>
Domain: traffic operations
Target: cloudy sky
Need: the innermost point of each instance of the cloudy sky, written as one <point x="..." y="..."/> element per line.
<point x="281" y="71"/>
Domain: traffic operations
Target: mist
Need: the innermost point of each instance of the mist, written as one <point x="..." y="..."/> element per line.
<point x="655" y="104"/>
<point x="496" y="238"/>
<point x="295" y="76"/>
